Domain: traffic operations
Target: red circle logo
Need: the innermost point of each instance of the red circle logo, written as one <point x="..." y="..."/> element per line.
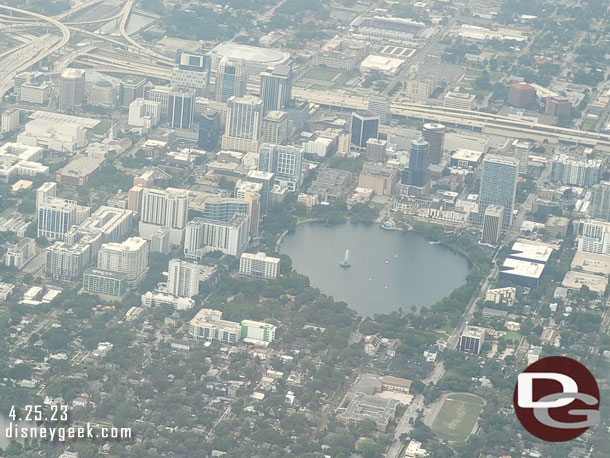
<point x="556" y="399"/>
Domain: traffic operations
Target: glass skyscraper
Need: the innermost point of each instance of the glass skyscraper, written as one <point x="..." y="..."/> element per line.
<point x="364" y="126"/>
<point x="231" y="79"/>
<point x="276" y="88"/>
<point x="418" y="162"/>
<point x="498" y="187"/>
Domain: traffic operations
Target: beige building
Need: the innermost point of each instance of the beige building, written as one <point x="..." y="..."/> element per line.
<point x="380" y="178"/>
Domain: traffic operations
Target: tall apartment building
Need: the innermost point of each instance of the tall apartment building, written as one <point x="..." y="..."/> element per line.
<point x="55" y="217"/>
<point x="68" y="260"/>
<point x="129" y="257"/>
<point x="231" y="79"/>
<point x="47" y="189"/>
<point x="275" y="127"/>
<point x="183" y="278"/>
<point x="593" y="236"/>
<point x="243" y="129"/>
<point x="498" y="186"/>
<point x="259" y="265"/>
<point x="224" y="208"/>
<point x="257" y="332"/>
<point x="266" y="179"/>
<point x="576" y="172"/>
<point x="9" y="120"/>
<point x="164" y="208"/>
<point x="203" y="235"/>
<point x="285" y="162"/>
<point x="251" y="193"/>
<point x="71" y="89"/>
<point x="276" y="88"/>
<point x="600" y="201"/>
<point x="492" y="224"/>
<point x="434" y="134"/>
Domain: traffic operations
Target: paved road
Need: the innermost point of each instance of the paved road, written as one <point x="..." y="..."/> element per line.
<point x="405" y="426"/>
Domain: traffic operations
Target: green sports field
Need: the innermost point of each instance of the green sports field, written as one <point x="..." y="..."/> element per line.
<point x="457" y="417"/>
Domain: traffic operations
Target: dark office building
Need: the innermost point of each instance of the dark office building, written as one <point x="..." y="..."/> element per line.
<point x="180" y="108"/>
<point x="364" y="126"/>
<point x="209" y="130"/>
<point x="418" y="162"/>
<point x="434" y="134"/>
<point x="131" y="88"/>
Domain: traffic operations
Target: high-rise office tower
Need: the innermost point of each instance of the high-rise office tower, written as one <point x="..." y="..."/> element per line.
<point x="522" y="151"/>
<point x="266" y="180"/>
<point x="164" y="208"/>
<point x="434" y="134"/>
<point x="492" y="224"/>
<point x="600" y="201"/>
<point x="231" y="79"/>
<point x="275" y="127"/>
<point x="364" y="126"/>
<point x="131" y="88"/>
<point x="192" y="71"/>
<point x="286" y="162"/>
<point x="244" y="124"/>
<point x="379" y="106"/>
<point x="209" y="129"/>
<point x="251" y="193"/>
<point x="375" y="150"/>
<point x="498" y="186"/>
<point x="418" y="162"/>
<point x="180" y="108"/>
<point x="183" y="278"/>
<point x="276" y="88"/>
<point x="71" y="89"/>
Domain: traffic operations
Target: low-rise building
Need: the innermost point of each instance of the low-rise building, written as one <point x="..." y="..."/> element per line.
<point x="79" y="170"/>
<point x="209" y="325"/>
<point x="6" y="289"/>
<point x="505" y="296"/>
<point x="369" y="407"/>
<point x="19" y="254"/>
<point x="472" y="339"/>
<point x="380" y="178"/>
<point x="259" y="265"/>
<point x="105" y="283"/>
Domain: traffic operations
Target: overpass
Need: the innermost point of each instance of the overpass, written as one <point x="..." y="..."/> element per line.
<point x="6" y="82"/>
<point x="486" y="122"/>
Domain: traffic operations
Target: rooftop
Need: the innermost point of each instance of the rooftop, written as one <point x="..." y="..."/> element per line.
<point x="522" y="268"/>
<point x="575" y="280"/>
<point x="531" y="251"/>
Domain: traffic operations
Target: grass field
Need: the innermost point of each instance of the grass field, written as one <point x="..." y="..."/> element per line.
<point x="457" y="417"/>
<point x="514" y="336"/>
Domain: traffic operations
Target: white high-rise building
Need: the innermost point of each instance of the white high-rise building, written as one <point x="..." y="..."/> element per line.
<point x="593" y="236"/>
<point x="243" y="130"/>
<point x="164" y="208"/>
<point x="203" y="235"/>
<point x="522" y="152"/>
<point x="251" y="193"/>
<point x="183" y="279"/>
<point x="259" y="265"/>
<point x="144" y="113"/>
<point x="129" y="257"/>
<point x="48" y="189"/>
<point x="55" y="217"/>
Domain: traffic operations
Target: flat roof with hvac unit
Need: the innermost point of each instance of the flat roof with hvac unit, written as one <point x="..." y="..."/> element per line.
<point x="531" y="251"/>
